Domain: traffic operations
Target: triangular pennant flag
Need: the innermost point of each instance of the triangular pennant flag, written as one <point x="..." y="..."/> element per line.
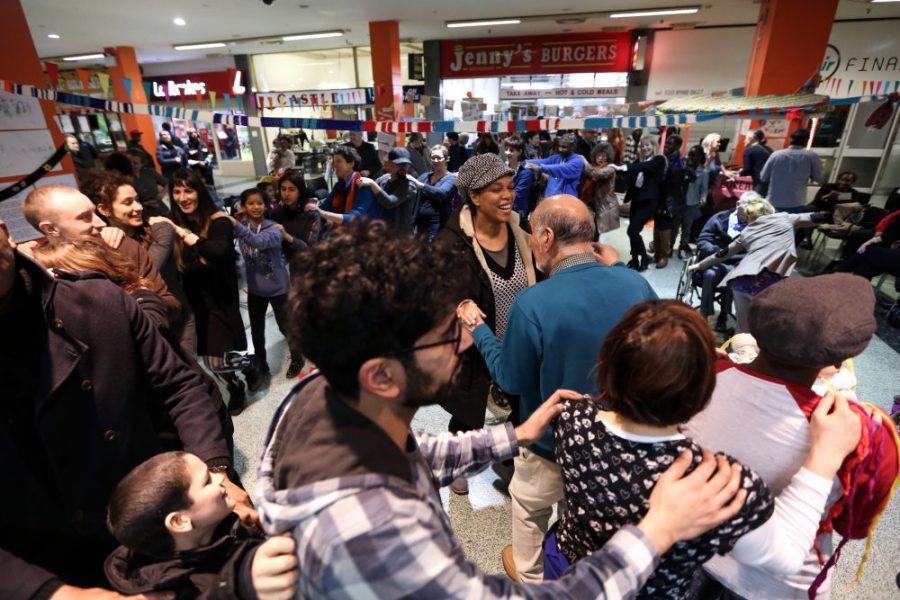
<point x="148" y="90"/>
<point x="227" y="97"/>
<point x="52" y="73"/>
<point x="85" y="77"/>
<point x="104" y="83"/>
<point x="212" y="100"/>
<point x="126" y="83"/>
<point x="239" y="103"/>
<point x="199" y="100"/>
<point x="166" y="90"/>
<point x="878" y="88"/>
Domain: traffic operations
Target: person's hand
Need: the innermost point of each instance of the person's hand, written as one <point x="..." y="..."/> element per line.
<point x="243" y="507"/>
<point x="874" y="240"/>
<point x="533" y="167"/>
<point x="415" y="181"/>
<point x="534" y="427"/>
<point x="365" y="174"/>
<point x="605" y="254"/>
<point x="274" y="569"/>
<point x="367" y="182"/>
<point x="694" y="267"/>
<point x="722" y="354"/>
<point x="68" y="592"/>
<point x="682" y="507"/>
<point x="833" y="434"/>
<point x="112" y="236"/>
<point x="156" y="220"/>
<point x="311" y="207"/>
<point x="469" y="314"/>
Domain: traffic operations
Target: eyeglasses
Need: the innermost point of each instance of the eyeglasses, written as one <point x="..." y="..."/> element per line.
<point x="455" y="340"/>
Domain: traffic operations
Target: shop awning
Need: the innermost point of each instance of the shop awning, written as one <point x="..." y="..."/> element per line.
<point x="741" y="105"/>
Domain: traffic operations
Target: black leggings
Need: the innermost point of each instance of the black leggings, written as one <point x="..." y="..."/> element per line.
<point x="638" y="217"/>
<point x="257" y="307"/>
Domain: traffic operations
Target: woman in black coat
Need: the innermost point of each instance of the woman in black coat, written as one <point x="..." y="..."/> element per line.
<point x="205" y="255"/>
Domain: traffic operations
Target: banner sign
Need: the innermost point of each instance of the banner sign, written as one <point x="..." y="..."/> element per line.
<point x="546" y="54"/>
<point x="190" y="84"/>
<point x="316" y="98"/>
<point x="602" y="92"/>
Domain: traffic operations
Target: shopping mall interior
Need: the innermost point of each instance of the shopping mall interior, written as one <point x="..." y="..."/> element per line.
<point x="232" y="87"/>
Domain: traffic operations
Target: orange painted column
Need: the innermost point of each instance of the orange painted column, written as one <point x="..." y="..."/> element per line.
<point x="21" y="64"/>
<point x="788" y="46"/>
<point x="384" y="38"/>
<point x="127" y="66"/>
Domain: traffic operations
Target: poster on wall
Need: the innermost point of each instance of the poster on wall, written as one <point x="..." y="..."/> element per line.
<point x="21" y="152"/>
<point x="20" y="112"/>
<point x="551" y="54"/>
<point x="861" y="59"/>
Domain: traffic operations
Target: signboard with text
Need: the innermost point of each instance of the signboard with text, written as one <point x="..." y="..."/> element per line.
<point x="601" y="92"/>
<point x="191" y="84"/>
<point x="315" y="98"/>
<point x="546" y="54"/>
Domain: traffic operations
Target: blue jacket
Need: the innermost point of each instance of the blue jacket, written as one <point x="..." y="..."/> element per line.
<point x="267" y="273"/>
<point x="523" y="180"/>
<point x="564" y="175"/>
<point x="554" y="334"/>
<point x="364" y="204"/>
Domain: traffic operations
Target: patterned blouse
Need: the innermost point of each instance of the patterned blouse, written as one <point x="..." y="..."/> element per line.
<point x="608" y="476"/>
<point x="506" y="282"/>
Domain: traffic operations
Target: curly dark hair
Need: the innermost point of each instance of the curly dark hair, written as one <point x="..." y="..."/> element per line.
<point x="349" y="154"/>
<point x="657" y="365"/>
<point x="367" y="292"/>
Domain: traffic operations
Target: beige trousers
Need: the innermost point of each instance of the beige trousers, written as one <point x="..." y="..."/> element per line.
<point x="535" y="487"/>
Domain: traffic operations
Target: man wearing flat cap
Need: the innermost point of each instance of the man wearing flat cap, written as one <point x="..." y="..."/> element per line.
<point x="563" y="169"/>
<point x="759" y="414"/>
<point x="395" y="192"/>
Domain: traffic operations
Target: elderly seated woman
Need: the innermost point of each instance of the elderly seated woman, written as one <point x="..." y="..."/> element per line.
<point x="657" y="370"/>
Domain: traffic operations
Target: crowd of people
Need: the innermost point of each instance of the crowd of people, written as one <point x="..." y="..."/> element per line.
<point x="451" y="280"/>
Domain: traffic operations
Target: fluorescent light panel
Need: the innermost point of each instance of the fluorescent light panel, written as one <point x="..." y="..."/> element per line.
<point x="882" y="1"/>
<point x="312" y="36"/>
<point x="82" y="57"/>
<point x="455" y="24"/>
<point x="179" y="21"/>
<point x="201" y="46"/>
<point x="655" y="12"/>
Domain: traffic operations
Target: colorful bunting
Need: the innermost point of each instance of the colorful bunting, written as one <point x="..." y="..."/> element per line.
<point x="212" y="99"/>
<point x="85" y="77"/>
<point x="126" y="84"/>
<point x="104" y="83"/>
<point x="52" y="73"/>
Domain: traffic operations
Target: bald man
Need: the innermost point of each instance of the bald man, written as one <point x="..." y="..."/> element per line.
<point x="555" y="331"/>
<point x="63" y="213"/>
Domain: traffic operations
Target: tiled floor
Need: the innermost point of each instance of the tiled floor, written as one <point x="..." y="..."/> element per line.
<point x="481" y="519"/>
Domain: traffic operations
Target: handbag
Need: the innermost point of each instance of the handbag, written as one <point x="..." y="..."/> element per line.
<point x="725" y="191"/>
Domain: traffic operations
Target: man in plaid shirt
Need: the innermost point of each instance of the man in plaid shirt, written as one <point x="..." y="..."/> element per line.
<point x="343" y="474"/>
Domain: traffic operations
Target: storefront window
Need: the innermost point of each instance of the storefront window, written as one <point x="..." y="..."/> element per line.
<point x="310" y="70"/>
<point x="364" y="63"/>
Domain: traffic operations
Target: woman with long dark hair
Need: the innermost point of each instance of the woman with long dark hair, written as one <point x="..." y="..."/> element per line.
<point x="205" y="255"/>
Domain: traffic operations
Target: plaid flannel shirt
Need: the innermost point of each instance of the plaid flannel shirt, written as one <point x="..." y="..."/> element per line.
<point x="378" y="536"/>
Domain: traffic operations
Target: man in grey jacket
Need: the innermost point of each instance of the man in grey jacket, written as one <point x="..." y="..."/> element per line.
<point x="345" y="476"/>
<point x="394" y="192"/>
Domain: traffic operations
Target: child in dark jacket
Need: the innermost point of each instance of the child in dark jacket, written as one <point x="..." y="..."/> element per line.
<point x="179" y="534"/>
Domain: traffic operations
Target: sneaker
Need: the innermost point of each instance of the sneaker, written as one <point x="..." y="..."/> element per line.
<point x="256" y="378"/>
<point x="460" y="486"/>
<point x="509" y="565"/>
<point x="293" y="369"/>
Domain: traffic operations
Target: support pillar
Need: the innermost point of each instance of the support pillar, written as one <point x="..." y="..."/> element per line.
<point x="788" y="46"/>
<point x="127" y="66"/>
<point x="384" y="38"/>
<point x="21" y="64"/>
<point x="257" y="147"/>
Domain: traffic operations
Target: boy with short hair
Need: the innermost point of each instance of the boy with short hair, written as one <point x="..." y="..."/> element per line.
<point x="179" y="533"/>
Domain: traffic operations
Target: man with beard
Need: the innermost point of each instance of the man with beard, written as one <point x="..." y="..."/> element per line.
<point x="344" y="475"/>
<point x="395" y="192"/>
<point x="563" y="168"/>
<point x="553" y="336"/>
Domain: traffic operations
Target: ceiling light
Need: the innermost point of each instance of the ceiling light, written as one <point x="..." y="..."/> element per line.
<point x="53" y="36"/>
<point x="179" y="21"/>
<point x="200" y="46"/>
<point x="882" y="1"/>
<point x="312" y="36"/>
<point x="83" y="57"/>
<point x="656" y="12"/>
<point x="454" y="24"/>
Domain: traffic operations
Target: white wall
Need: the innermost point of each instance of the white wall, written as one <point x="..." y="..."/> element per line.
<point x="164" y="69"/>
<point x="698" y="61"/>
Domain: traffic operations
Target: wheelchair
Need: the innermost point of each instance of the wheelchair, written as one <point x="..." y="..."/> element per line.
<point x="690" y="292"/>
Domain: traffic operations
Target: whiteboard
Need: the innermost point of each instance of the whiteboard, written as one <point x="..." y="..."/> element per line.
<point x="20" y="112"/>
<point x="22" y="152"/>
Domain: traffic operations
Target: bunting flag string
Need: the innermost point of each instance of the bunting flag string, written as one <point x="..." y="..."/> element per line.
<point x="471" y="126"/>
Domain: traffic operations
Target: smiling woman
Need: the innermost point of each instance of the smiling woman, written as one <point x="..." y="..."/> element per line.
<point x="488" y="243"/>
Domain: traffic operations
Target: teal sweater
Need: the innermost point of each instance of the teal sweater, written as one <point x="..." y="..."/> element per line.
<point x="555" y="331"/>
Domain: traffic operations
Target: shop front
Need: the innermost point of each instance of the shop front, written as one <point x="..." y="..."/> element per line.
<point x="566" y="75"/>
<point x="211" y="90"/>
